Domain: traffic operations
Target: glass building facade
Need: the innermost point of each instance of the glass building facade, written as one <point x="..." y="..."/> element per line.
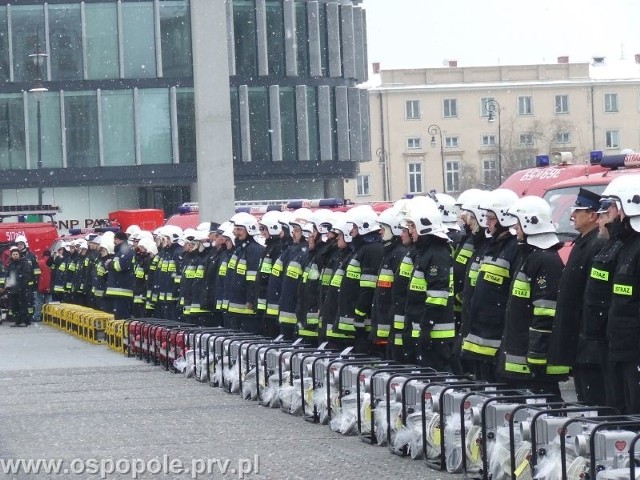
<point x="119" y="107"/>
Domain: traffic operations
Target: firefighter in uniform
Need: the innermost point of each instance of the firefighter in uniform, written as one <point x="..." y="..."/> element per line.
<point x="212" y="279"/>
<point x="429" y="304"/>
<point x="106" y="251"/>
<point x="187" y="274"/>
<point x="147" y="251"/>
<point x="321" y="246"/>
<point x="623" y="326"/>
<point x="168" y="273"/>
<point x="330" y="307"/>
<point x="228" y="239"/>
<point x="466" y="266"/>
<point x="58" y="272"/>
<point x="292" y="277"/>
<point x="394" y="251"/>
<point x="120" y="278"/>
<point x="361" y="276"/>
<point x="80" y="275"/>
<point x="18" y="275"/>
<point x="200" y="315"/>
<point x="270" y="228"/>
<point x="489" y="302"/>
<point x="523" y="357"/>
<point x="567" y="324"/>
<point x="242" y="271"/>
<point x="23" y="247"/>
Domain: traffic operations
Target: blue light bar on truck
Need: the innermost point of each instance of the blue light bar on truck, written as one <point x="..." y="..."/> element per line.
<point x="188" y="207"/>
<point x="628" y="160"/>
<point x="319" y="203"/>
<point x="542" y="160"/>
<point x="595" y="157"/>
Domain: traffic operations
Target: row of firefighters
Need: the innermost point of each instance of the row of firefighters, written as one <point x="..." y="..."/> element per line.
<point x="474" y="285"/>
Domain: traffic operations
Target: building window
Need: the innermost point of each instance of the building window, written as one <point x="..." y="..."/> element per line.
<point x="302" y="34"/>
<point x="415" y="177"/>
<point x="450" y="108"/>
<point x="363" y="185"/>
<point x="175" y="38"/>
<point x="275" y="37"/>
<point x="489" y="140"/>
<point x="138" y="34"/>
<point x="244" y="36"/>
<point x="490" y="172"/>
<point x="526" y="139"/>
<point x="186" y="110"/>
<point x="612" y="139"/>
<point x="118" y="128"/>
<point x="12" y="134"/>
<point x="562" y="103"/>
<point x="101" y="30"/>
<point x="484" y="102"/>
<point x="64" y="36"/>
<point x="154" y="126"/>
<point x="453" y="176"/>
<point x="414" y="143"/>
<point x="610" y="102"/>
<point x="452" y="142"/>
<point x="563" y="137"/>
<point x="525" y="105"/>
<point x="27" y="30"/>
<point x="412" y="110"/>
<point x="81" y="129"/>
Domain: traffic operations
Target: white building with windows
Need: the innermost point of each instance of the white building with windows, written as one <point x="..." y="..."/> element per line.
<point x="455" y="128"/>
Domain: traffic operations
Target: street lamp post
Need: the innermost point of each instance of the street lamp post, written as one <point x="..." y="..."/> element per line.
<point x="493" y="108"/>
<point x="433" y="131"/>
<point x="38" y="89"/>
<point x="383" y="161"/>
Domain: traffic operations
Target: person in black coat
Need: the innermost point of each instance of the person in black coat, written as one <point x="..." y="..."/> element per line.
<point x="588" y="379"/>
<point x="19" y="274"/>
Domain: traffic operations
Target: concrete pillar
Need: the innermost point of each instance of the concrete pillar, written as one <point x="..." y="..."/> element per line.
<point x="213" y="112"/>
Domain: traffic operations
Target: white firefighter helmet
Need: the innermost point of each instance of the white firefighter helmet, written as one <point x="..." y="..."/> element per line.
<point x="270" y="221"/>
<point x="402" y="205"/>
<point x="392" y="218"/>
<point x="302" y="214"/>
<point x="224" y="226"/>
<point x="427" y="220"/>
<point x="172" y="232"/>
<point x="189" y="234"/>
<point x="344" y="228"/>
<point x="472" y="204"/>
<point x="82" y="243"/>
<point x="228" y="234"/>
<point x="107" y="244"/>
<point x="534" y="215"/>
<point x="499" y="201"/>
<point x="247" y="221"/>
<point x="204" y="227"/>
<point x="323" y="219"/>
<point x="448" y="208"/>
<point x="131" y="229"/>
<point x="625" y="189"/>
<point x="149" y="245"/>
<point x="284" y="219"/>
<point x="365" y="221"/>
<point x="23" y="239"/>
<point x="467" y="195"/>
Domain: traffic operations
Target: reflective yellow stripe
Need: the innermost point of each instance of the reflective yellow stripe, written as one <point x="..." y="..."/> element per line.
<point x="495" y="270"/>
<point x="558" y="369"/>
<point x="440" y="334"/>
<point x="418" y="284"/>
<point x="336" y="280"/>
<point x="385" y="281"/>
<point x="266" y="266"/>
<point x="537" y="361"/>
<point x="619" y="289"/>
<point x="544" y="312"/>
<point x="406" y="269"/>
<point x="360" y="312"/>
<point x="303" y="332"/>
<point x="599" y="274"/>
<point x="516" y="368"/>
<point x="521" y="289"/>
<point x="383" y="331"/>
<point x="480" y="349"/>
<point x="437" y="301"/>
<point x="353" y="272"/>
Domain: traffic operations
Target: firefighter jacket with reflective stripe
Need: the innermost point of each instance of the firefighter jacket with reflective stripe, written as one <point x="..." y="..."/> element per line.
<point x="59" y="275"/>
<point x="382" y="310"/>
<point x="274" y="284"/>
<point x="592" y="343"/>
<point x="480" y="242"/>
<point x="168" y="273"/>
<point x="79" y="277"/>
<point x="90" y="271"/>
<point x="242" y="271"/>
<point x="359" y="283"/>
<point x="429" y="305"/>
<point x="530" y="312"/>
<point x="488" y="305"/>
<point x="70" y="271"/>
<point x="187" y="275"/>
<point x="308" y="307"/>
<point x="401" y="280"/>
<point x="331" y="306"/>
<point x="152" y="277"/>
<point x="120" y="277"/>
<point x="141" y="276"/>
<point x="212" y="264"/>
<point x="35" y="266"/>
<point x="566" y="326"/>
<point x="18" y="274"/>
<point x="102" y="272"/>
<point x="623" y="328"/>
<point x="461" y="260"/>
<point x="221" y="281"/>
<point x="291" y="280"/>
<point x="273" y="249"/>
<point x="198" y="282"/>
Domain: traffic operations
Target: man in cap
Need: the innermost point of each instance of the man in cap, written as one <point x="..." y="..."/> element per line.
<point x="120" y="277"/>
<point x="567" y="323"/>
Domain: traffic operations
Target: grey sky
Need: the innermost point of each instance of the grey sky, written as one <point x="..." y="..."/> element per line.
<point x="424" y="33"/>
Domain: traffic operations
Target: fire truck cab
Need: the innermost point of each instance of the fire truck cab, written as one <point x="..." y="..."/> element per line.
<point x="39" y="234"/>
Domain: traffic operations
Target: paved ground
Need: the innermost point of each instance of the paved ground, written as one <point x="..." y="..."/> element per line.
<point x="64" y="399"/>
